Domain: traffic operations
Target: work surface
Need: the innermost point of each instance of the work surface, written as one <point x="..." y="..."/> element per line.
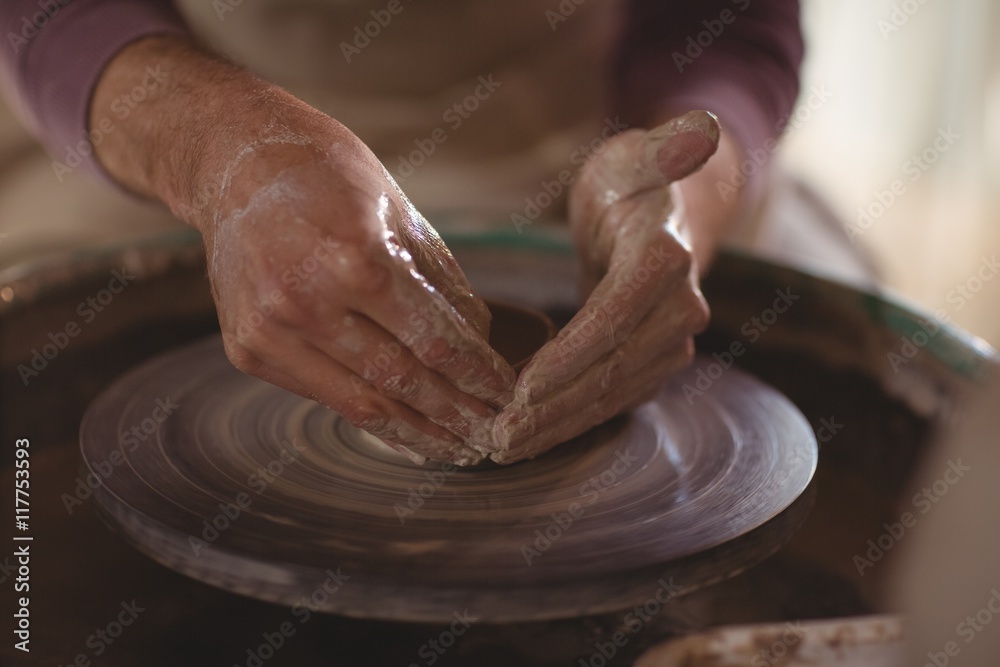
<point x="86" y="579"/>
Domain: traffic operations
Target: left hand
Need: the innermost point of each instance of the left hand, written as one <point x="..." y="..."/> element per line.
<point x="637" y="327"/>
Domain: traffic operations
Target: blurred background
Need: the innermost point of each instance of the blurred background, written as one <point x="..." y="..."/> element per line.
<point x="897" y="131"/>
<point x="902" y="93"/>
<point x="898" y="74"/>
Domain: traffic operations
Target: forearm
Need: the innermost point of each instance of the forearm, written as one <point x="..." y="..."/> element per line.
<point x="178" y="143"/>
<point x="57" y="52"/>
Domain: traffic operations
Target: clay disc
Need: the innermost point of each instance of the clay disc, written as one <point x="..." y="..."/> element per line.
<point x="258" y="491"/>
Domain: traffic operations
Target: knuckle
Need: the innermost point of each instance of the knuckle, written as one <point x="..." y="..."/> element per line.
<point x="435" y="352"/>
<point x="403" y="384"/>
<point x="677" y="259"/>
<point x="296" y="310"/>
<point x="242" y="357"/>
<point x="367" y="415"/>
<point x="614" y="370"/>
<point x="699" y="314"/>
<point x="353" y="267"/>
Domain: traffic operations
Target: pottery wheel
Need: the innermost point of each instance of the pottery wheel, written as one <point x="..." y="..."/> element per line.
<point x="589" y="527"/>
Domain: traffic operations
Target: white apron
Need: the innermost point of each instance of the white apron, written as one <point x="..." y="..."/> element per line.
<point x="472" y="105"/>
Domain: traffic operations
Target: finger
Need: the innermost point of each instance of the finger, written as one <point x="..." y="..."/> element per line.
<point x="392" y="293"/>
<point x="328" y="382"/>
<point x="434" y="260"/>
<point x="520" y="421"/>
<point x="444" y="274"/>
<point x="637" y="277"/>
<point x="633" y="392"/>
<point x="678" y="148"/>
<point x="636" y="162"/>
<point x="288" y="383"/>
<point x="379" y="360"/>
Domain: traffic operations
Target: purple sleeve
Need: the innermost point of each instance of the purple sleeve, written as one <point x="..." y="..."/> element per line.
<point x="736" y="58"/>
<point x="54" y="53"/>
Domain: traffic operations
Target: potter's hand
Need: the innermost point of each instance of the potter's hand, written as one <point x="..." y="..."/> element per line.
<point x="637" y="325"/>
<point x="327" y="281"/>
<point x="362" y="307"/>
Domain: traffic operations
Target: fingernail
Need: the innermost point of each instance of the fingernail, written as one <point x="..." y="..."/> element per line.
<point x="705" y="123"/>
<point x="678" y="147"/>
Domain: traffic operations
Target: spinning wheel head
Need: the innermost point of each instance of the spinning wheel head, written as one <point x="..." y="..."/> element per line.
<point x="253" y="489"/>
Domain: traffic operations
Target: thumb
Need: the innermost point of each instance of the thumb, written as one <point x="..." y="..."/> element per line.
<point x="678" y="148"/>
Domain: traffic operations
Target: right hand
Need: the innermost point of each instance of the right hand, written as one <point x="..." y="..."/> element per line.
<point x="329" y="283"/>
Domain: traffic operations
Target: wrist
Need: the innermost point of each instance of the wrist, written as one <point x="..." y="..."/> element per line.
<point x="184" y="120"/>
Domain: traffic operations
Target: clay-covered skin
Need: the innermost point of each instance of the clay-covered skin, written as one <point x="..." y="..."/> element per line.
<point x="326" y="279"/>
<point x="330" y="284"/>
<point x="644" y="307"/>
